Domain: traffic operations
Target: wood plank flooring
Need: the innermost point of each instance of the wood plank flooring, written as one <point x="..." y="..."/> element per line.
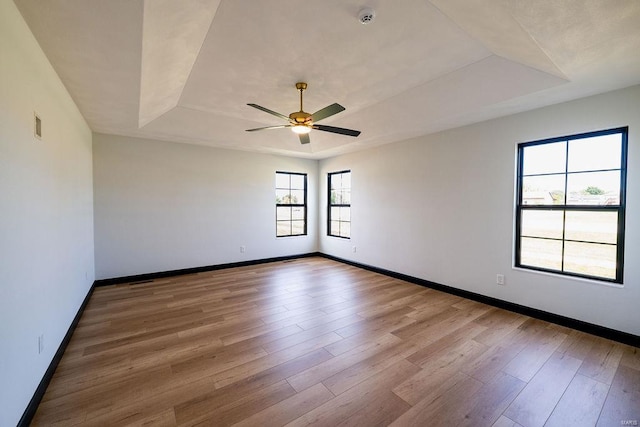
<point x="317" y="342"/>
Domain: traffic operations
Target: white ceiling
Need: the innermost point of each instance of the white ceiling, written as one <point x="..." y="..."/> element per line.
<point x="184" y="70"/>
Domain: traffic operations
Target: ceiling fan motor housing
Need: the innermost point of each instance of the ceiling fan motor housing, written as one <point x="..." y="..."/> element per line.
<point x="300" y="117"/>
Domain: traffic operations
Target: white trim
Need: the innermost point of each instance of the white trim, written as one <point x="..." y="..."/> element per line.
<point x="567" y="276"/>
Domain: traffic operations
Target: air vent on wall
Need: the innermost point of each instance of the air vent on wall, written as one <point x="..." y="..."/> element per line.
<point x="37" y="126"/>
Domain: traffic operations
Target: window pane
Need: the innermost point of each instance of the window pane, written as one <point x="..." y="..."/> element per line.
<point x="282" y="180"/>
<point x="297" y="213"/>
<point x="345" y="214"/>
<point x="335" y="213"/>
<point x="297" y="227"/>
<point x="335" y="181"/>
<point x="283" y="197"/>
<point x="340" y="197"/>
<point x="297" y="182"/>
<point x="335" y="228"/>
<point x="591" y="259"/>
<point x="336" y="197"/>
<point x="346" y="197"/>
<point x="545" y="158"/>
<point x="346" y="180"/>
<point x="592" y="226"/>
<point x="543" y="190"/>
<point x="541" y="253"/>
<point x="283" y="228"/>
<point x="297" y="196"/>
<point x="345" y="229"/>
<point x="283" y="213"/>
<point x="593" y="188"/>
<point x="542" y="224"/>
<point x="597" y="153"/>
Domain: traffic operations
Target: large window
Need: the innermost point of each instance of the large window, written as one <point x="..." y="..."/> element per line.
<point x="339" y="217"/>
<point x="571" y="204"/>
<point x="291" y="204"/>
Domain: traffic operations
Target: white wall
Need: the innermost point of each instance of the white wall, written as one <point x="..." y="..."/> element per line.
<point x="164" y="206"/>
<point x="46" y="213"/>
<point x="441" y="208"/>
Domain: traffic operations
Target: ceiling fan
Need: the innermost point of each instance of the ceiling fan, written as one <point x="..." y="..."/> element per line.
<point x="302" y="122"/>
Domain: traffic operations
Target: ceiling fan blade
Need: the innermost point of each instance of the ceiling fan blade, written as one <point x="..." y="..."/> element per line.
<point x="266" y="110"/>
<point x="341" y="131"/>
<point x="327" y="112"/>
<point x="304" y="138"/>
<point x="269" y="127"/>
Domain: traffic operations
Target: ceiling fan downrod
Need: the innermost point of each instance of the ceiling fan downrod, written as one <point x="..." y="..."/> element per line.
<point x="301" y="86"/>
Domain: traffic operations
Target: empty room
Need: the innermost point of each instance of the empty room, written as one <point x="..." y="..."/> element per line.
<point x="332" y="213"/>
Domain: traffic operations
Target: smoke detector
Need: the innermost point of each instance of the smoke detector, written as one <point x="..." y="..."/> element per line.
<point x="366" y="16"/>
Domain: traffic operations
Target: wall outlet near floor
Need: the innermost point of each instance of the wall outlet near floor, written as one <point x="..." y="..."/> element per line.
<point x="354" y="249"/>
<point x="500" y="279"/>
<point x="40" y="343"/>
<point x="242" y="249"/>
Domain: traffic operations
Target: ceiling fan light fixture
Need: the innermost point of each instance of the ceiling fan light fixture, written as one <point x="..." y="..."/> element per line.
<point x="300" y="129"/>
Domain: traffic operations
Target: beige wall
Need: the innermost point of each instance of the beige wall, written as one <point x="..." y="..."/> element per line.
<point x="46" y="212"/>
<point x="164" y="206"/>
<point x="441" y="208"/>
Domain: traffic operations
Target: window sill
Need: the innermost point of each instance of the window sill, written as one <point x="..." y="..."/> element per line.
<point x="574" y="278"/>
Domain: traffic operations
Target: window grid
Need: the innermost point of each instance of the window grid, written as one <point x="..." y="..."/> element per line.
<point x="291" y="204"/>
<point x="339" y="204"/>
<point x="573" y="248"/>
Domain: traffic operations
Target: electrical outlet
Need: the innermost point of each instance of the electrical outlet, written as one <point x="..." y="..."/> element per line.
<point x="40" y="343"/>
<point x="354" y="249"/>
<point x="500" y="279"/>
<point x="242" y="249"/>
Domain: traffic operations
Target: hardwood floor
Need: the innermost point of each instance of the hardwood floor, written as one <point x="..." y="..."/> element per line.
<point x="314" y="341"/>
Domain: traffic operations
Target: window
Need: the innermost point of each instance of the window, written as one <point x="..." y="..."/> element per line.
<point x="339" y="217"/>
<point x="571" y="204"/>
<point x="291" y="204"/>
